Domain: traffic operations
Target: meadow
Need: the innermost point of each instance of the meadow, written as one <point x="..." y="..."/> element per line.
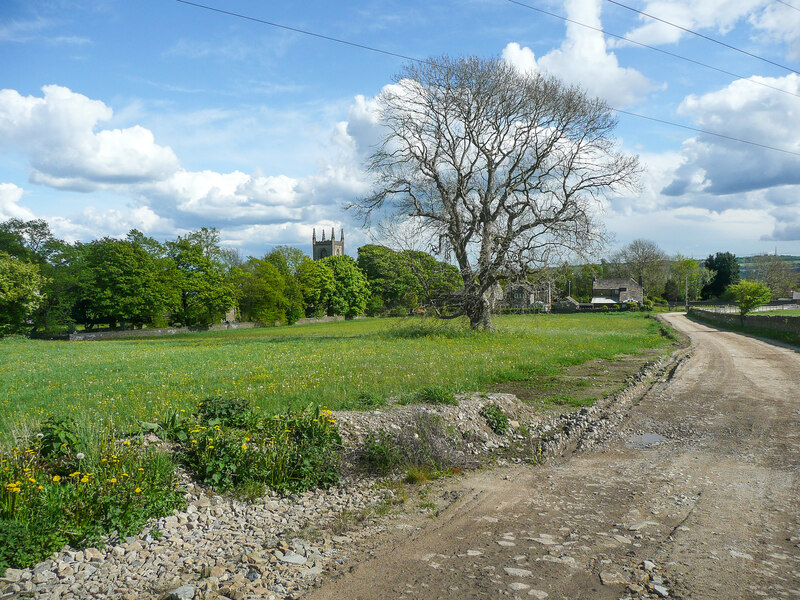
<point x="285" y="368"/>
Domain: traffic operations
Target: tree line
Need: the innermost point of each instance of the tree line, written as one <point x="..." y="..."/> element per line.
<point x="47" y="284"/>
<point x="671" y="278"/>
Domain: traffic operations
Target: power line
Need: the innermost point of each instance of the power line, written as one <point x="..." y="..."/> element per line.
<point x="705" y="37"/>
<point x="666" y="52"/>
<point x="705" y="131"/>
<point x="397" y="55"/>
<point x="787" y="4"/>
<point x="303" y="31"/>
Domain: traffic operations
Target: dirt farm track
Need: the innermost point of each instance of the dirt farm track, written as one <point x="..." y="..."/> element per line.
<point x="695" y="495"/>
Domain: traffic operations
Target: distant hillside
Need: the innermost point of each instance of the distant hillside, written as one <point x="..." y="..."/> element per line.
<point x="747" y="264"/>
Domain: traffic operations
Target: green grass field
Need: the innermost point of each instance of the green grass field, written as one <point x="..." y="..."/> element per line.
<point x="795" y="312"/>
<point x="289" y="367"/>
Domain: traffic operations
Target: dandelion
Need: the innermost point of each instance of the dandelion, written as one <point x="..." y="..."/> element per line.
<point x="80" y="456"/>
<point x="138" y="490"/>
<point x="102" y="460"/>
<point x="126" y="443"/>
<point x="244" y="446"/>
<point x="40" y="435"/>
<point x="211" y="447"/>
<point x="141" y="470"/>
<point x="84" y="479"/>
<point x="40" y="488"/>
<point x="113" y="480"/>
<point x="56" y="478"/>
<point x="31" y="479"/>
<point x="193" y="441"/>
<point x="75" y="474"/>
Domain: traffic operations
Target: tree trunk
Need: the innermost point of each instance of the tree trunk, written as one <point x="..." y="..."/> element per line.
<point x="480" y="314"/>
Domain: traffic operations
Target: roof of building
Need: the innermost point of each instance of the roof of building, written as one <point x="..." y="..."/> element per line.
<point x="614" y="283"/>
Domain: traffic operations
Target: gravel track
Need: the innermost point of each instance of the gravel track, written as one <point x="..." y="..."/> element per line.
<point x="690" y="492"/>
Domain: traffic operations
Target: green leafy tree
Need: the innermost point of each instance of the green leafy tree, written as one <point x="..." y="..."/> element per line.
<point x="316" y="285"/>
<point x="29" y="240"/>
<point x="121" y="282"/>
<point x="292" y="257"/>
<point x="389" y="279"/>
<point x="286" y="260"/>
<point x="262" y="292"/>
<point x="20" y="292"/>
<point x="749" y="294"/>
<point x="206" y="292"/>
<point x="724" y="272"/>
<point x="432" y="282"/>
<point x="350" y="287"/>
<point x="32" y="241"/>
<point x="690" y="274"/>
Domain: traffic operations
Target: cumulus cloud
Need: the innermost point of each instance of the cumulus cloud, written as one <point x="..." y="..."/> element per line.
<point x="773" y="22"/>
<point x="10" y="208"/>
<point x="58" y="133"/>
<point x="719" y="15"/>
<point x="778" y="22"/>
<point x="583" y="58"/>
<point x="67" y="151"/>
<point x="741" y="110"/>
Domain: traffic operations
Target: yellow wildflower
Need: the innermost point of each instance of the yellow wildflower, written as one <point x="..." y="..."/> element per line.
<point x="84" y="479"/>
<point x="113" y="480"/>
<point x="138" y="490"/>
<point x="56" y="478"/>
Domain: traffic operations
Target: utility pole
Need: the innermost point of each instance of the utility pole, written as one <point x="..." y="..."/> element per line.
<point x="686" y="294"/>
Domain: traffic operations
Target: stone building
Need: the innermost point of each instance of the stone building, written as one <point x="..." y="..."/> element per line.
<point x="616" y="291"/>
<point x="324" y="248"/>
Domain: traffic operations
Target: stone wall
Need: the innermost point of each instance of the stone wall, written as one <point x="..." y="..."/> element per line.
<point x="773" y="322"/>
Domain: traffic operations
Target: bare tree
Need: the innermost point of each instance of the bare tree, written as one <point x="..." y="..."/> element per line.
<point x="779" y="275"/>
<point x="499" y="169"/>
<point x="646" y="263"/>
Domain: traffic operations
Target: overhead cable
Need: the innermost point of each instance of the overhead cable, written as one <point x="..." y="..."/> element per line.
<point x="653" y="48"/>
<point x="705" y="37"/>
<point x="397" y="55"/>
<point x="303" y="31"/>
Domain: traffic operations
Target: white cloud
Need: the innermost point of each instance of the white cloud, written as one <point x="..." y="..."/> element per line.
<point x="57" y="131"/>
<point x="584" y="59"/>
<point x="778" y="22"/>
<point x="10" y="196"/>
<point x="719" y="15"/>
<point x="749" y="112"/>
<point x="773" y="22"/>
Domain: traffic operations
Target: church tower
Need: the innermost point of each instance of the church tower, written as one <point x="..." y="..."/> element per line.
<point x="323" y="248"/>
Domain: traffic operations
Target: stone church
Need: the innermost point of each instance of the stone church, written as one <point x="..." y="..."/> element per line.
<point x="322" y="248"/>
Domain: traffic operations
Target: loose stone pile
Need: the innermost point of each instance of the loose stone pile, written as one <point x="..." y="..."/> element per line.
<point x="222" y="548"/>
<point x="217" y="548"/>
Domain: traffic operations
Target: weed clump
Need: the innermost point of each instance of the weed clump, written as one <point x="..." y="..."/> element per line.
<point x="495" y="418"/>
<point x="432" y="394"/>
<point x="60" y="486"/>
<point x="424" y="449"/>
<point x="231" y="446"/>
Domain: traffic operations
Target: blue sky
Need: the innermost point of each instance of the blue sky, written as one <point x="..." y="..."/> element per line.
<point x="165" y="117"/>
